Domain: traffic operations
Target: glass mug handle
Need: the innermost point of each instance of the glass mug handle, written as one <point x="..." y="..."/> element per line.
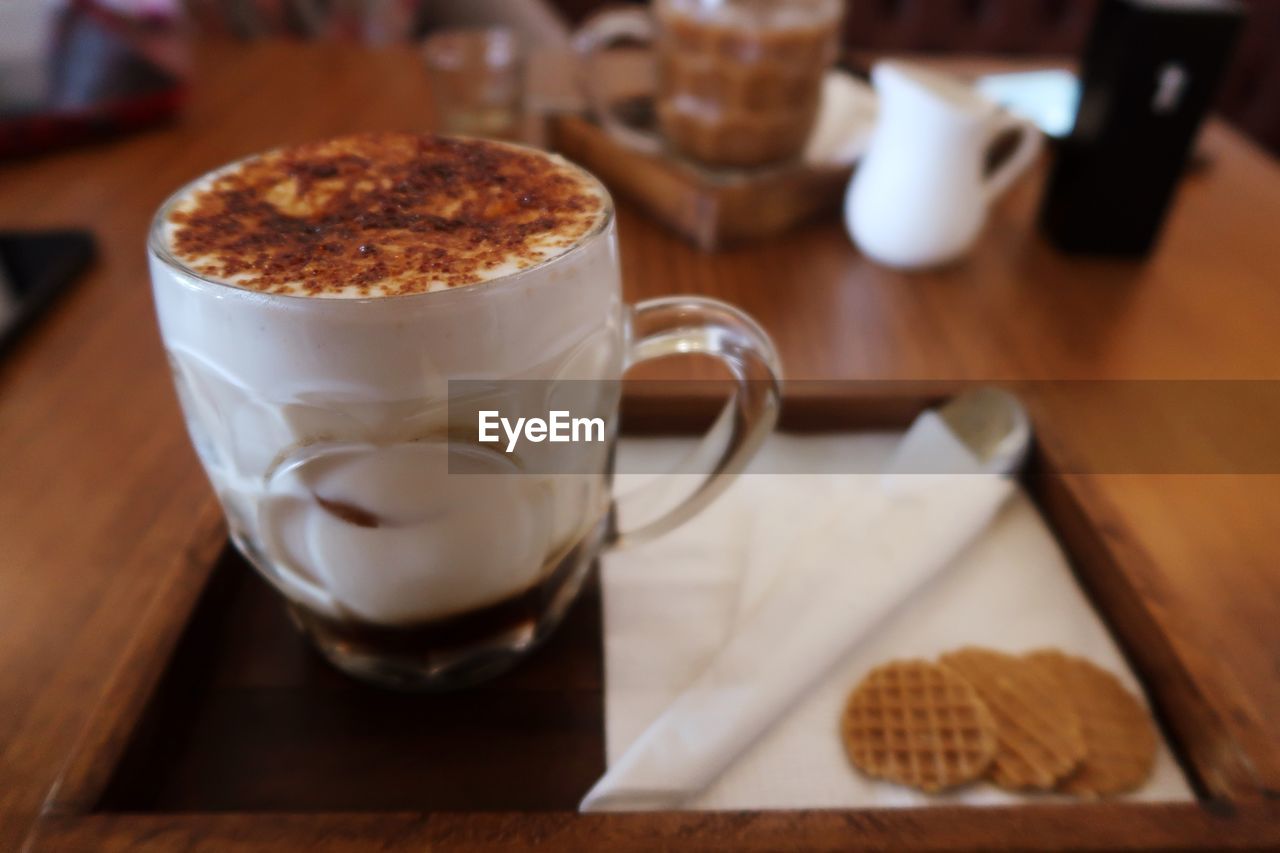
<point x="598" y="33"/>
<point x="692" y="325"/>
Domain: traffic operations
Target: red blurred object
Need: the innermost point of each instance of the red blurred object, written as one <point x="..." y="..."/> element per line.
<point x="95" y="83"/>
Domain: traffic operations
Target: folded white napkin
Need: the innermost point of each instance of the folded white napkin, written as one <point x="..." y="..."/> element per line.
<point x="731" y="643"/>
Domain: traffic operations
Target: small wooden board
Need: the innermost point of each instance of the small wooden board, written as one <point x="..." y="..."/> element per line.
<point x="711" y="209"/>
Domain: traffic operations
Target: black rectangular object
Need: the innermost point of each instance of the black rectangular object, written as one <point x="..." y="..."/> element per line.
<point x="1150" y="72"/>
<point x="35" y="266"/>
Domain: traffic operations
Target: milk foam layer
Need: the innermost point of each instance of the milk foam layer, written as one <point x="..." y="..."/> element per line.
<point x="322" y="424"/>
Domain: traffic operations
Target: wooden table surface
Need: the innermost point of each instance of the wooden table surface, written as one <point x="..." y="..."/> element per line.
<point x="99" y="484"/>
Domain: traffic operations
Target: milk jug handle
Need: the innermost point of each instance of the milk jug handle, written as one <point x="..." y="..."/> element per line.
<point x="1029" y="144"/>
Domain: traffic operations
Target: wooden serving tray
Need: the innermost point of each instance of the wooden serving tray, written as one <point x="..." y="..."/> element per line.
<point x="222" y="728"/>
<point x="711" y="209"/>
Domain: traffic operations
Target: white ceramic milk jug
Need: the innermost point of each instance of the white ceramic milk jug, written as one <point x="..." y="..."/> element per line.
<point x="919" y="197"/>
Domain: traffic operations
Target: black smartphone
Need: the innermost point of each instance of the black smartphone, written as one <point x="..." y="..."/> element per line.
<point x="35" y="266"/>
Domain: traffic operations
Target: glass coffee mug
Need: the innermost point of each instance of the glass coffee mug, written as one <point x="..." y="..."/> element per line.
<point x="413" y="555"/>
<point x="739" y="82"/>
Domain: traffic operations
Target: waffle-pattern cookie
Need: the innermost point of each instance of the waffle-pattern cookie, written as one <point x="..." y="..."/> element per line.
<point x="913" y="722"/>
<point x="1120" y="740"/>
<point x="1040" y="737"/>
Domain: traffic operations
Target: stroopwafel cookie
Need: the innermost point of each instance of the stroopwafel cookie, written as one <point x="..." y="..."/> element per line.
<point x="1119" y="736"/>
<point x="916" y="723"/>
<point x="1039" y="733"/>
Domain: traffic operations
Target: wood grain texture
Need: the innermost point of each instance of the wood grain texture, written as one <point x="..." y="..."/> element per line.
<point x="101" y="493"/>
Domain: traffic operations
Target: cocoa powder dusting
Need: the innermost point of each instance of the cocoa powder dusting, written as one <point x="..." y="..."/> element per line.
<point x="382" y="214"/>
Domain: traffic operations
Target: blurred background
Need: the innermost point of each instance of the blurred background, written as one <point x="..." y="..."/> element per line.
<point x="1249" y="96"/>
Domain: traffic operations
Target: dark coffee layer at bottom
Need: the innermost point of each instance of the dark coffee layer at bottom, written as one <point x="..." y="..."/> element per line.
<point x="462" y="648"/>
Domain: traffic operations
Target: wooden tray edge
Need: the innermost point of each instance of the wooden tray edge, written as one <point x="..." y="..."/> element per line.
<point x="1090" y="826"/>
<point x="1119" y="576"/>
<point x="98" y="748"/>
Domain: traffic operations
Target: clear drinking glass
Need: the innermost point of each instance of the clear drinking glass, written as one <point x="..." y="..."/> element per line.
<point x="413" y="556"/>
<point x="477" y="81"/>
